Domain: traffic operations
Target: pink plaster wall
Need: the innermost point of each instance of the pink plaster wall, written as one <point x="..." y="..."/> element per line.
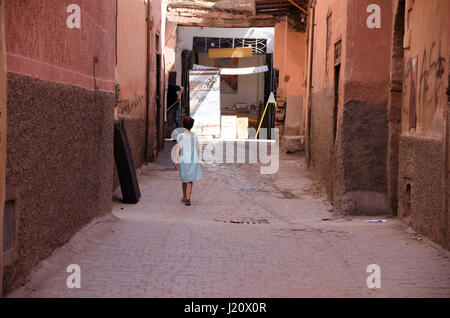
<point x="170" y="46"/>
<point x="154" y="144"/>
<point x="39" y="44"/>
<point x="320" y="78"/>
<point x="368" y="52"/>
<point x="131" y="55"/>
<point x="428" y="40"/>
<point x="289" y="59"/>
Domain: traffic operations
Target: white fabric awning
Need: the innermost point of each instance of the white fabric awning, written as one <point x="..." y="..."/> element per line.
<point x="234" y="71"/>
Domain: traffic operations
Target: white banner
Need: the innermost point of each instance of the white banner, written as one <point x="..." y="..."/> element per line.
<point x="234" y="71"/>
<point x="204" y="88"/>
<point x="244" y="71"/>
<point x="197" y="67"/>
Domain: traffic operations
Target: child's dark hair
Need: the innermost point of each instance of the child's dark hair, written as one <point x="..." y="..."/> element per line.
<point x="188" y="123"/>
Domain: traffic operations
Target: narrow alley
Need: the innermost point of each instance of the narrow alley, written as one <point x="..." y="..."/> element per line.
<point x="224" y="149"/>
<point x="162" y="248"/>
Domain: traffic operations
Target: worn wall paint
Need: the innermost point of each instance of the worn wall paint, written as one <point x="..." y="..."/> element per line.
<point x="363" y="126"/>
<point x="395" y="104"/>
<point x="3" y="133"/>
<point x="154" y="26"/>
<point x="369" y="52"/>
<point x="170" y="46"/>
<point x="430" y="48"/>
<point x="421" y="185"/>
<point x="60" y="149"/>
<point x="49" y="50"/>
<point x="348" y="144"/>
<point x="131" y="73"/>
<point x="131" y="56"/>
<point x="289" y="60"/>
<point x="447" y="167"/>
<point x="279" y="55"/>
<point x="295" y="67"/>
<point x="321" y="144"/>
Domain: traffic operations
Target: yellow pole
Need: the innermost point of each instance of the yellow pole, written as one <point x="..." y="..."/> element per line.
<point x="262" y="118"/>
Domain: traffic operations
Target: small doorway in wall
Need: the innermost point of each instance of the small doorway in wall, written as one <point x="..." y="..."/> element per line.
<point x="337" y="77"/>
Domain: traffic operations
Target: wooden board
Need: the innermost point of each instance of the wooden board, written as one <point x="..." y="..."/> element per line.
<point x="125" y="166"/>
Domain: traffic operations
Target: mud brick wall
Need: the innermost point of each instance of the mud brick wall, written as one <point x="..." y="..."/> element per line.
<point x="421" y="168"/>
<point x="60" y="160"/>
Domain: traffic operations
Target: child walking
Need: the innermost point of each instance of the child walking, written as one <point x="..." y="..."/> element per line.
<point x="187" y="159"/>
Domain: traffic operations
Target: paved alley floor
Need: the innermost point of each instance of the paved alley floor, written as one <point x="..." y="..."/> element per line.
<point x="287" y="244"/>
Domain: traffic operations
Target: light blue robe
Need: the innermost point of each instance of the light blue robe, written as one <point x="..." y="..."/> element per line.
<point x="189" y="162"/>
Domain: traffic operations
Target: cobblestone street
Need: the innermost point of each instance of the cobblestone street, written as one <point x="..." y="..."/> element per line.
<point x="289" y="244"/>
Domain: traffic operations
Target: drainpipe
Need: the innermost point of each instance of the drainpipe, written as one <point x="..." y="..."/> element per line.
<point x="2" y="133"/>
<point x="312" y="16"/>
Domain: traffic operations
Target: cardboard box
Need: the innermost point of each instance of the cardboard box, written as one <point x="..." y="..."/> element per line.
<point x="229" y="127"/>
<point x="242" y="128"/>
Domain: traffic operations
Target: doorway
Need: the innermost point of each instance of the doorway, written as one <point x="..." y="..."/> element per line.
<point x="337" y="75"/>
<point x="395" y="108"/>
<point x="159" y="121"/>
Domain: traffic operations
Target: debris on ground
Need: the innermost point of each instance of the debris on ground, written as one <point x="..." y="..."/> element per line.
<point x="377" y="221"/>
<point x="249" y="221"/>
<point x="338" y="219"/>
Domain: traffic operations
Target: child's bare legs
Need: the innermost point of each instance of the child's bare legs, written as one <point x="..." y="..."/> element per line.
<point x="184" y="184"/>
<point x="189" y="190"/>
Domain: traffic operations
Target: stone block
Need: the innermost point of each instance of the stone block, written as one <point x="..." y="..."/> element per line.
<point x="291" y="144"/>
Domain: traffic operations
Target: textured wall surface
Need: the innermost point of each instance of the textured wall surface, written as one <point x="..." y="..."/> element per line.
<point x="351" y="168"/>
<point x="155" y="47"/>
<point x="2" y="130"/>
<point x="321" y="98"/>
<point x="420" y="166"/>
<point x="39" y="43"/>
<point x="60" y="158"/>
<point x="430" y="47"/>
<point x="395" y="103"/>
<point x="132" y="74"/>
<point x="321" y="136"/>
<point x="423" y="119"/>
<point x="60" y="119"/>
<point x="362" y="154"/>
